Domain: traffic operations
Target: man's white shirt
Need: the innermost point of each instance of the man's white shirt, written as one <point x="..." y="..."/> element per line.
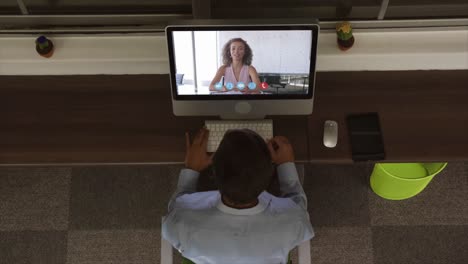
<point x="207" y="231"/>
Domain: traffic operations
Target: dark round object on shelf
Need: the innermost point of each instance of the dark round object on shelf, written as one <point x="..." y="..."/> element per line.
<point x="345" y="44"/>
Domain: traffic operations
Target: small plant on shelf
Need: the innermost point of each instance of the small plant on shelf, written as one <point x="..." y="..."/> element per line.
<point x="344" y="32"/>
<point x="44" y="47"/>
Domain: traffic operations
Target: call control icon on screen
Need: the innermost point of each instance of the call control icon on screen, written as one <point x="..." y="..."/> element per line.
<point x="219" y="86"/>
<point x="252" y="85"/>
<point x="240" y="85"/>
<point x="229" y="85"/>
<point x="264" y="85"/>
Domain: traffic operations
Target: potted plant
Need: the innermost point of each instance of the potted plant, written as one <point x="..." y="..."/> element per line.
<point x="345" y="36"/>
<point x="44" y="47"/>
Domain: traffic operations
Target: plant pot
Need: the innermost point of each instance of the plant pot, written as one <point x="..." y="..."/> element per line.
<point x="46" y="52"/>
<point x="345" y="44"/>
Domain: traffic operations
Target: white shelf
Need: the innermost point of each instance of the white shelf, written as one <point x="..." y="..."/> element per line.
<point x="147" y="54"/>
<point x="381" y="51"/>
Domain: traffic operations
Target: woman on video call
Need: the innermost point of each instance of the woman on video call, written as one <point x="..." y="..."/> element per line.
<point x="237" y="60"/>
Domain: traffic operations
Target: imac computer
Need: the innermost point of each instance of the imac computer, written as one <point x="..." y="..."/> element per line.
<point x="242" y="69"/>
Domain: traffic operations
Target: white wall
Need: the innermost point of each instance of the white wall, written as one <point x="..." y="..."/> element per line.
<point x="184" y="55"/>
<point x="274" y="51"/>
<point x="206" y="57"/>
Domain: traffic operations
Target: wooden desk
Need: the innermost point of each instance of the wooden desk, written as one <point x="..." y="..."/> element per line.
<point x="423" y="114"/>
<point x="102" y="119"/>
<point x="128" y="119"/>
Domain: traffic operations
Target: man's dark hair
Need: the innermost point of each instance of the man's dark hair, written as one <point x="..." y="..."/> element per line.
<point x="242" y="166"/>
<point x="227" y="59"/>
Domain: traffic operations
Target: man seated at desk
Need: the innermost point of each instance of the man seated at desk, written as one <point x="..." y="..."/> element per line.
<point x="241" y="222"/>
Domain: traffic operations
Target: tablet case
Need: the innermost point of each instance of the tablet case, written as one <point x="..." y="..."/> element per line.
<point x="365" y="137"/>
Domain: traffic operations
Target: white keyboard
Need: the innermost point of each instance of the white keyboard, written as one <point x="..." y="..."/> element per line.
<point x="217" y="129"/>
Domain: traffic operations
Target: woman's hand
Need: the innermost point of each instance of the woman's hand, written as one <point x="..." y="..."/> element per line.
<point x="217" y="78"/>
<point x="196" y="157"/>
<point x="254" y="77"/>
<point x="281" y="150"/>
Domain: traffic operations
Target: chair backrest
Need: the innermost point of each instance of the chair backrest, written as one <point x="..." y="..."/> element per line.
<point x="166" y="251"/>
<point x="179" y="78"/>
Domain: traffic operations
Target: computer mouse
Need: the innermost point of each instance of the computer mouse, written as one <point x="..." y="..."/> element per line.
<point x="330" y="133"/>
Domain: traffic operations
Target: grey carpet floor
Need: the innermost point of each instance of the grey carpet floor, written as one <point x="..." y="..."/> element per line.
<point x="113" y="215"/>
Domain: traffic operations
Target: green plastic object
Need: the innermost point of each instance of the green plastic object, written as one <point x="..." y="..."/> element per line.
<point x="187" y="261"/>
<point x="398" y="181"/>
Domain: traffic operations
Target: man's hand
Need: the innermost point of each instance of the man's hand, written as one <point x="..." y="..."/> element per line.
<point x="281" y="150"/>
<point x="196" y="157"/>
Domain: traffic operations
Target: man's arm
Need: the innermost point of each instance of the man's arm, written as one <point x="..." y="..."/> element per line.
<point x="290" y="186"/>
<point x="187" y="184"/>
<point x="282" y="154"/>
<point x="196" y="160"/>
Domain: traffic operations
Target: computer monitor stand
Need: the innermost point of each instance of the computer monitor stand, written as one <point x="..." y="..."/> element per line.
<point x="242" y="110"/>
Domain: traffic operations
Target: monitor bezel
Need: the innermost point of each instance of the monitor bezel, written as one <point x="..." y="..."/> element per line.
<point x="314" y="28"/>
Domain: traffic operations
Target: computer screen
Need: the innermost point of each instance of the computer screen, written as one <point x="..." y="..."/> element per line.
<point x="243" y="62"/>
<point x="243" y="69"/>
